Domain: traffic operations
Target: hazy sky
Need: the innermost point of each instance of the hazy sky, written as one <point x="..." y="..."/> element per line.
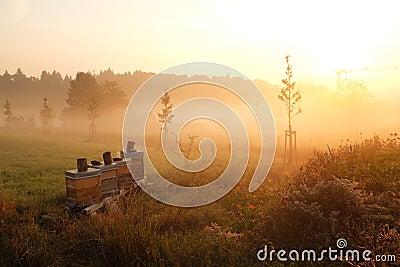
<point x="250" y="36"/>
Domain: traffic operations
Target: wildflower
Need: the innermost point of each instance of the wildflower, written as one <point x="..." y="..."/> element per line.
<point x="252" y="207"/>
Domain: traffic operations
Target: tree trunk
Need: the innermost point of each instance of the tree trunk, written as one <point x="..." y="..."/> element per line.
<point x="290" y="145"/>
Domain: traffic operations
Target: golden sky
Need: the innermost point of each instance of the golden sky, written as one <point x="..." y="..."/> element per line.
<point x="250" y="36"/>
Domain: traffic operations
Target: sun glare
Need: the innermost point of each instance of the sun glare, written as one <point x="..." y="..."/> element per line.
<point x="328" y="36"/>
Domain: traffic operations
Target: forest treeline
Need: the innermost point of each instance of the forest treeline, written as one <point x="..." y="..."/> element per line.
<point x="68" y="96"/>
<point x="327" y="114"/>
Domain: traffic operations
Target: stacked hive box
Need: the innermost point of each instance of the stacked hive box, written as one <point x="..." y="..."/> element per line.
<point x="83" y="187"/>
<point x="86" y="186"/>
<point x="108" y="179"/>
<point x="135" y="163"/>
<point x="125" y="179"/>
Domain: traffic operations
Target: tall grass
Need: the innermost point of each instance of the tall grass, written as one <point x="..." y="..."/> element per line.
<point x="351" y="191"/>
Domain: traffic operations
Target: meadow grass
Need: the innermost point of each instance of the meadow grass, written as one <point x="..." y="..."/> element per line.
<point x="140" y="231"/>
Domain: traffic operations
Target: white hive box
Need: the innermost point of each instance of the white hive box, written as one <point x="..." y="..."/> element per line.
<point x="135" y="162"/>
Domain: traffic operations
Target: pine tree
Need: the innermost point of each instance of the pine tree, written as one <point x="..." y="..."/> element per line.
<point x="47" y="116"/>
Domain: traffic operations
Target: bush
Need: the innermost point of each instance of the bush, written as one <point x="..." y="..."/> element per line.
<point x="352" y="192"/>
<point x="314" y="214"/>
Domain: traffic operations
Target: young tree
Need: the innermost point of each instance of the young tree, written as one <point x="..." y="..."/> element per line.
<point x="47" y="116"/>
<point x="191" y="138"/>
<point x="30" y="122"/>
<point x="165" y="116"/>
<point x="290" y="96"/>
<point x="8" y="113"/>
<point x="93" y="115"/>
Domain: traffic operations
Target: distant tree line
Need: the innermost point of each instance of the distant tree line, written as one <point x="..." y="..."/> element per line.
<point x="46" y="115"/>
<point x="85" y="87"/>
<point x="16" y="85"/>
<point x="54" y="86"/>
<point x="90" y="100"/>
<point x="64" y="99"/>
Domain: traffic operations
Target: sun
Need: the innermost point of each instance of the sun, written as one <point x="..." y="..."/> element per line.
<point x="337" y="57"/>
<point x="327" y="37"/>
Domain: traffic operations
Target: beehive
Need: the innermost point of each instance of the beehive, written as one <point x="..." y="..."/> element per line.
<point x="135" y="163"/>
<point x="108" y="179"/>
<point x="125" y="179"/>
<point x="83" y="188"/>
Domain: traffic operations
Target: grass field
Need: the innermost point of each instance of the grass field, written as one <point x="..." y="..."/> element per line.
<point x="352" y="192"/>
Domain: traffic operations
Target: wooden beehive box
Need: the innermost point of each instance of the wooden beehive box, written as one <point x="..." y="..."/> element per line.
<point x="83" y="187"/>
<point x="125" y="179"/>
<point x="135" y="163"/>
<point x="108" y="179"/>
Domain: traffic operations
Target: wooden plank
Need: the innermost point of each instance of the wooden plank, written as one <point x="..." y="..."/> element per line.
<point x="72" y="203"/>
<point x="126" y="186"/>
<point x="87" y="182"/>
<point x="109" y="184"/>
<point x="122" y="170"/>
<point x="82" y="194"/>
<point x="86" y="195"/>
<point x="108" y="174"/>
<point x="93" y="208"/>
<point x="85" y="203"/>
<point x="70" y="182"/>
<point x="125" y="182"/>
<point x="82" y="198"/>
<point x="136" y="165"/>
<point x="83" y="182"/>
